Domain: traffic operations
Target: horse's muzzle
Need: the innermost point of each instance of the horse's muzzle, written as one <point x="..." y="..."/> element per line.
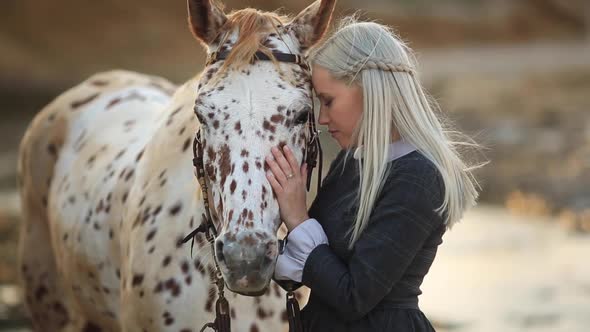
<point x="246" y="265"/>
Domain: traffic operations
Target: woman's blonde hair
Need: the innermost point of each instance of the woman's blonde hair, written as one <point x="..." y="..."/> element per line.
<point x="371" y="55"/>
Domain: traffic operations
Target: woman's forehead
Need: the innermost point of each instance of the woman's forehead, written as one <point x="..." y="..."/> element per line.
<point x="322" y="80"/>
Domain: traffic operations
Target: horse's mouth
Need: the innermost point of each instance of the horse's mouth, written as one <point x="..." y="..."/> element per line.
<point x="246" y="279"/>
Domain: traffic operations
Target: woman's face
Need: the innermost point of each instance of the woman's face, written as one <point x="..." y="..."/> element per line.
<point x="341" y="105"/>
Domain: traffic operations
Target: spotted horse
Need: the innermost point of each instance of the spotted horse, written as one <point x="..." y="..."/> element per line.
<point x="108" y="190"/>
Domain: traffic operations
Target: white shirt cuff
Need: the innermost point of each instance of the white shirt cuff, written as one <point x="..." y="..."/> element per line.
<point x="300" y="243"/>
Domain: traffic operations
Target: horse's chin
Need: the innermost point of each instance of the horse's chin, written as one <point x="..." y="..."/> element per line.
<point x="253" y="294"/>
<point x="246" y="292"/>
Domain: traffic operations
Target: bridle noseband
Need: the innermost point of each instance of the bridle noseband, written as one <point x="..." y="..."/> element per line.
<point x="313" y="157"/>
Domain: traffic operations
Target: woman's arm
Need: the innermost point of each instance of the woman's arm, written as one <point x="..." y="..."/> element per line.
<point x="401" y="221"/>
<point x="300" y="243"/>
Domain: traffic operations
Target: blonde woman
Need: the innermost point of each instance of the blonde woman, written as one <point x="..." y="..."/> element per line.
<point x="398" y="184"/>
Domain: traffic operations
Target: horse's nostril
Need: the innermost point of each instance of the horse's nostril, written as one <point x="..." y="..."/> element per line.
<point x="219" y="250"/>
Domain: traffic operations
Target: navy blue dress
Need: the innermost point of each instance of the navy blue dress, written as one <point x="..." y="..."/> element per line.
<point x="375" y="286"/>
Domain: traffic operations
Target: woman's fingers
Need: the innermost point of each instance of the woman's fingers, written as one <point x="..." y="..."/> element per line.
<point x="283" y="163"/>
<point x="304" y="170"/>
<point x="291" y="159"/>
<point x="276" y="170"/>
<point x="276" y="186"/>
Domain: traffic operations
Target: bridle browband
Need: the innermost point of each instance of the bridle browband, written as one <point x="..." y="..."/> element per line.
<point x="280" y="57"/>
<point x="313" y="157"/>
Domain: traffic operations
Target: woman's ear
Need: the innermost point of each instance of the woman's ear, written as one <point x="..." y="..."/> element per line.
<point x="310" y="24"/>
<point x="205" y="19"/>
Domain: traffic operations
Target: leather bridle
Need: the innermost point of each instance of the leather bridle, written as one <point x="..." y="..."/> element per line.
<point x="313" y="157"/>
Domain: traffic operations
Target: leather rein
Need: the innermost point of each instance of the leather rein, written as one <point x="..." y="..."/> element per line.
<point x="313" y="157"/>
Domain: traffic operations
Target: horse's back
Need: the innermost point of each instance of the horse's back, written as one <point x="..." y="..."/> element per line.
<point x="70" y="172"/>
<point x="106" y="123"/>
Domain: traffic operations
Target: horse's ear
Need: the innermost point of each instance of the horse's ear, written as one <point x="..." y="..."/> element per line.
<point x="311" y="24"/>
<point x="205" y="19"/>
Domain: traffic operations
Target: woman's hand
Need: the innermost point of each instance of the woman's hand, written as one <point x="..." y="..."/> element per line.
<point x="288" y="181"/>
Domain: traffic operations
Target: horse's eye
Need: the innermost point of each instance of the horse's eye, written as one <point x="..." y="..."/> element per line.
<point x="302" y="117"/>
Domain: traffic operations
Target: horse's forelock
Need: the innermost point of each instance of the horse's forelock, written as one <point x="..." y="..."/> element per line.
<point x="254" y="26"/>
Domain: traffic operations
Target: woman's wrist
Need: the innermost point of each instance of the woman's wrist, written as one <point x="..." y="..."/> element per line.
<point x="296" y="221"/>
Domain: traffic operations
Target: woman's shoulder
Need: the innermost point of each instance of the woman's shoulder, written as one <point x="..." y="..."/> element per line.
<point x="413" y="162"/>
<point x="414" y="169"/>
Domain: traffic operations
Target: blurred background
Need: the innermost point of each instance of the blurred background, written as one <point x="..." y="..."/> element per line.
<point x="512" y="74"/>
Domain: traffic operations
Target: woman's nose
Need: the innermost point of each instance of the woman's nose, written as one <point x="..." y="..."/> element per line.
<point x="323" y="117"/>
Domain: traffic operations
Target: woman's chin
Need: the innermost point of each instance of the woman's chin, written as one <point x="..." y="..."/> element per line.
<point x="344" y="144"/>
<point x="341" y="142"/>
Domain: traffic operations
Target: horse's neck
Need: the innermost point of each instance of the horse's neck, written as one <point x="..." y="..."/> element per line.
<point x="171" y="142"/>
<point x="185" y="95"/>
<point x="180" y="112"/>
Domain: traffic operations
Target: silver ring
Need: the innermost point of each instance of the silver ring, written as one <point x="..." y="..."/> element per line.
<point x="289" y="176"/>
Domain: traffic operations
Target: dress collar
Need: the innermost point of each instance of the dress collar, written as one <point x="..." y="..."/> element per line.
<point x="396" y="150"/>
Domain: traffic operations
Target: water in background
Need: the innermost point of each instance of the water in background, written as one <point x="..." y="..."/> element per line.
<point x="499" y="272"/>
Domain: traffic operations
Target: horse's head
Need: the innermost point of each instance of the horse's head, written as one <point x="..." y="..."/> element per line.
<point x="246" y="107"/>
